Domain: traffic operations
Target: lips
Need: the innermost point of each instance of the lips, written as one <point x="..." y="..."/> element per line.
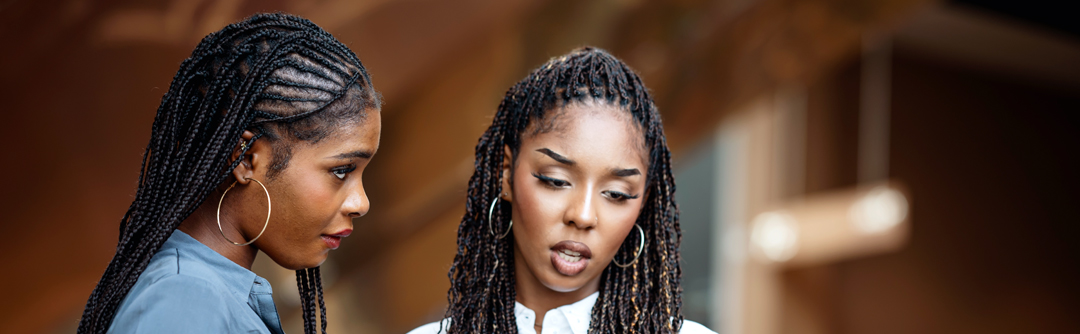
<point x="570" y="257"/>
<point x="334" y="240"/>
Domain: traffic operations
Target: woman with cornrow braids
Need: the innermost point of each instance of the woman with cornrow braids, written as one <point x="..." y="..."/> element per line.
<point x="570" y="224"/>
<point x="258" y="145"/>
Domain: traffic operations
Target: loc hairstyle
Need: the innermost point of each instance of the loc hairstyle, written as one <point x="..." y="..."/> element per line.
<point x="279" y="76"/>
<point x="644" y="297"/>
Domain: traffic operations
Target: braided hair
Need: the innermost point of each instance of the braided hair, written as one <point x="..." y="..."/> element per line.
<point x="279" y="76"/>
<point x="642" y="298"/>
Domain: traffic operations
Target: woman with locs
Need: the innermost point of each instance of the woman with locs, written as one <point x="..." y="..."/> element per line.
<point x="570" y="224"/>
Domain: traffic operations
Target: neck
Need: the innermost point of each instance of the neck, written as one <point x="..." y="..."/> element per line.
<point x="202" y="225"/>
<point x="537" y="297"/>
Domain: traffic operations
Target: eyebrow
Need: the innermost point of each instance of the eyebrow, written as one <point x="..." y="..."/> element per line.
<point x="556" y="156"/>
<point x="625" y="172"/>
<point x="353" y="154"/>
<point x="619" y="172"/>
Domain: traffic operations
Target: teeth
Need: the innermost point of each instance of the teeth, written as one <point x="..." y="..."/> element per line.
<point x="568" y="257"/>
<point x="570" y="252"/>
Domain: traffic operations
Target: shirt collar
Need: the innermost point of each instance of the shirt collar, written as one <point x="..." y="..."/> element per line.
<point x="575" y="317"/>
<point x="240" y="280"/>
<point x="243" y="283"/>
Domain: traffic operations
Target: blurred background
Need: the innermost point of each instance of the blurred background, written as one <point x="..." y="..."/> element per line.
<point x="844" y="166"/>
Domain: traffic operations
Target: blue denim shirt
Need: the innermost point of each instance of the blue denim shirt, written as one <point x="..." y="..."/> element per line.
<point x="190" y="288"/>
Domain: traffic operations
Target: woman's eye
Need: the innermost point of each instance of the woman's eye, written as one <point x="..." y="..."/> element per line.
<point x="618" y="196"/>
<point x="341" y="172"/>
<point x="553" y="182"/>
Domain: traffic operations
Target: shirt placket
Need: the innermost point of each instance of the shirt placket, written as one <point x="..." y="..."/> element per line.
<point x="261" y="300"/>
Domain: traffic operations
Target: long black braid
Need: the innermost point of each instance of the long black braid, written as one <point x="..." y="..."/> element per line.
<point x="642" y="298"/>
<point x="279" y="76"/>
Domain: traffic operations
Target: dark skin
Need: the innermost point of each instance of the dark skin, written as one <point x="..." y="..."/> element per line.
<point x="313" y="200"/>
<point x="583" y="182"/>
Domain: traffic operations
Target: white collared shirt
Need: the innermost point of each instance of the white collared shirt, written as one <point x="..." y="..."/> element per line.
<point x="566" y="319"/>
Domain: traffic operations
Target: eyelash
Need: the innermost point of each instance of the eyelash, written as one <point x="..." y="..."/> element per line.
<point x="619" y="196"/>
<point x="552" y="182"/>
<point x="343" y="170"/>
<point x="556" y="183"/>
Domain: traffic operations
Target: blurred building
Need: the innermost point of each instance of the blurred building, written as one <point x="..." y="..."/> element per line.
<point x="891" y="166"/>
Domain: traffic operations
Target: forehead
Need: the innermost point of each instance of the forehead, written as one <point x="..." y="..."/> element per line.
<point x="589" y="131"/>
<point x="361" y="134"/>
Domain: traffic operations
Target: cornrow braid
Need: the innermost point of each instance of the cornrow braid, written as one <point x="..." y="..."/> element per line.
<point x="644" y="297"/>
<point x="279" y="76"/>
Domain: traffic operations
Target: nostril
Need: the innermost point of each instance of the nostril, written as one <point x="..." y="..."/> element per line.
<point x="578" y="225"/>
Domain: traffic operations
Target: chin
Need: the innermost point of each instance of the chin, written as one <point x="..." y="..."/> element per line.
<point x="297" y="264"/>
<point x="560" y="283"/>
<point x="318" y="261"/>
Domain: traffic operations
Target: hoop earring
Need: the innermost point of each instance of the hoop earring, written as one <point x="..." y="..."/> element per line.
<point x="264" y="224"/>
<point x="641" y="246"/>
<point x="491" y="229"/>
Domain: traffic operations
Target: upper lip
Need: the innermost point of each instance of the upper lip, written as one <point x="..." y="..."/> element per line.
<point x="342" y="233"/>
<point x="573" y="246"/>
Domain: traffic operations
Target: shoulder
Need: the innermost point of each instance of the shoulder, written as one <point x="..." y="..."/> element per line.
<point x="172" y="261"/>
<point x="432" y="328"/>
<point x="690" y="327"/>
<point x="163" y="302"/>
<point x="173" y="278"/>
<point x="182" y="288"/>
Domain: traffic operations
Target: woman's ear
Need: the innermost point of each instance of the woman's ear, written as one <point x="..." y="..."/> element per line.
<point x="507" y="173"/>
<point x="246" y="168"/>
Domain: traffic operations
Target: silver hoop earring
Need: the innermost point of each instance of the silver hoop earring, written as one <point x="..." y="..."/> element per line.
<point x="491" y="229"/>
<point x="641" y="246"/>
<point x="264" y="224"/>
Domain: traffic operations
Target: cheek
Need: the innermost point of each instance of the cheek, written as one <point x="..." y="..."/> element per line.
<point x="314" y="192"/>
<point x="619" y="226"/>
<point x="307" y="203"/>
<point x="536" y="212"/>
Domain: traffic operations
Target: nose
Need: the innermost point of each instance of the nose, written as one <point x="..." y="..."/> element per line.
<point x="582" y="211"/>
<point x="357" y="204"/>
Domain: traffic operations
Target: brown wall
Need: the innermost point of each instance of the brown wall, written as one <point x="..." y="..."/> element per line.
<point x="995" y="246"/>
